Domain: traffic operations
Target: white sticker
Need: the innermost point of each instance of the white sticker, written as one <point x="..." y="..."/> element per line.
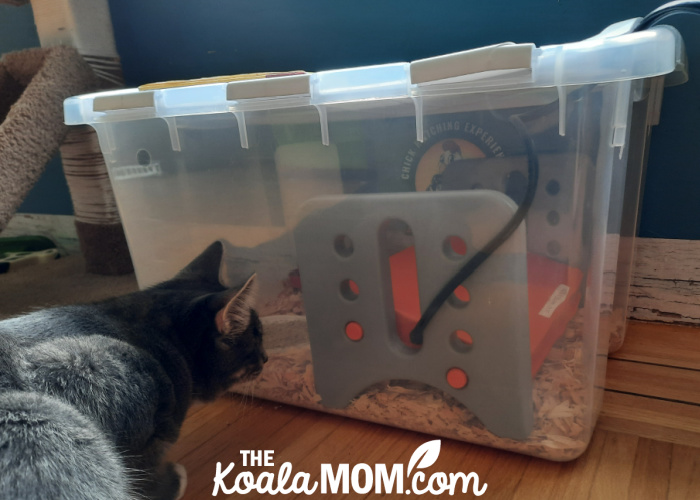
<point x="555" y="300"/>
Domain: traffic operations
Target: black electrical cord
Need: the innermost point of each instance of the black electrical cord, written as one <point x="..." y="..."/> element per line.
<point x="533" y="169"/>
<point x="416" y="335"/>
<point x="658" y="15"/>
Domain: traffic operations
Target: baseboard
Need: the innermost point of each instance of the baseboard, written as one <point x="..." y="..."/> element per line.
<point x="60" y="228"/>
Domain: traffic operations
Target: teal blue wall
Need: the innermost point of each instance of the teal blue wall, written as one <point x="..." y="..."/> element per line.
<point x="179" y="39"/>
<point x="17" y="30"/>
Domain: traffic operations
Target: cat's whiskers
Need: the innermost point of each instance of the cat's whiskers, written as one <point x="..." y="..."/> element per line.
<point x="253" y="385"/>
<point x="136" y="476"/>
<point x="246" y="395"/>
<point x="249" y="392"/>
<point x="239" y="394"/>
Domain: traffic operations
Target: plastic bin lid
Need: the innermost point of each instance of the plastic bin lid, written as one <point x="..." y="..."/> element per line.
<point x="616" y="54"/>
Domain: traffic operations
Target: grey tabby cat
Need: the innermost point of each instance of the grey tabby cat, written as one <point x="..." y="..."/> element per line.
<point x="91" y="396"/>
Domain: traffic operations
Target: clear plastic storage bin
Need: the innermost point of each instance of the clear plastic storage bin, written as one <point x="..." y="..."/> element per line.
<point x="360" y="195"/>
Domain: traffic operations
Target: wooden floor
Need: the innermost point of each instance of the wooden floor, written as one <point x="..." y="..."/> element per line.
<point x="646" y="445"/>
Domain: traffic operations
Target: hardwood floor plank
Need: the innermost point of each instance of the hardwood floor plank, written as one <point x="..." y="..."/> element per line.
<point x="392" y="444"/>
<point x="505" y="475"/>
<point x="585" y="469"/>
<point x="288" y="436"/>
<point x="474" y="458"/>
<point x="651" y="418"/>
<point x="398" y="453"/>
<point x="663" y="382"/>
<point x="652" y="470"/>
<point x="671" y="345"/>
<point x="223" y="446"/>
<point x="535" y="480"/>
<point x="203" y="425"/>
<point x="304" y="441"/>
<point x="291" y="442"/>
<point x="573" y="479"/>
<point x="614" y="473"/>
<point x="640" y="449"/>
<point x="454" y="457"/>
<point x="684" y="483"/>
<point x="338" y="448"/>
<point x="480" y="459"/>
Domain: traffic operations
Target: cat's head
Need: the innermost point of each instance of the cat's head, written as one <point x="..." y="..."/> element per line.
<point x="224" y="334"/>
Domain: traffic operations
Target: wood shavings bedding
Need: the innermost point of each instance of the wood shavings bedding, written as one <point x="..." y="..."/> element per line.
<point x="561" y="395"/>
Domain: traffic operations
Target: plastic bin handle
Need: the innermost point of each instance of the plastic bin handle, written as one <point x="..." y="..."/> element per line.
<point x="500" y="57"/>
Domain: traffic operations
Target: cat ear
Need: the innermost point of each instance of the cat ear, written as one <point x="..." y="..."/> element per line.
<point x="234" y="317"/>
<point x="205" y="268"/>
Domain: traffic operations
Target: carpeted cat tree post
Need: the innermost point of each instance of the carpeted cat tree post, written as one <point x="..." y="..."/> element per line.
<point x="33" y="85"/>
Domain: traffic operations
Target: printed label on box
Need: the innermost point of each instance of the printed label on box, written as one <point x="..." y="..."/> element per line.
<point x="444" y="143"/>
